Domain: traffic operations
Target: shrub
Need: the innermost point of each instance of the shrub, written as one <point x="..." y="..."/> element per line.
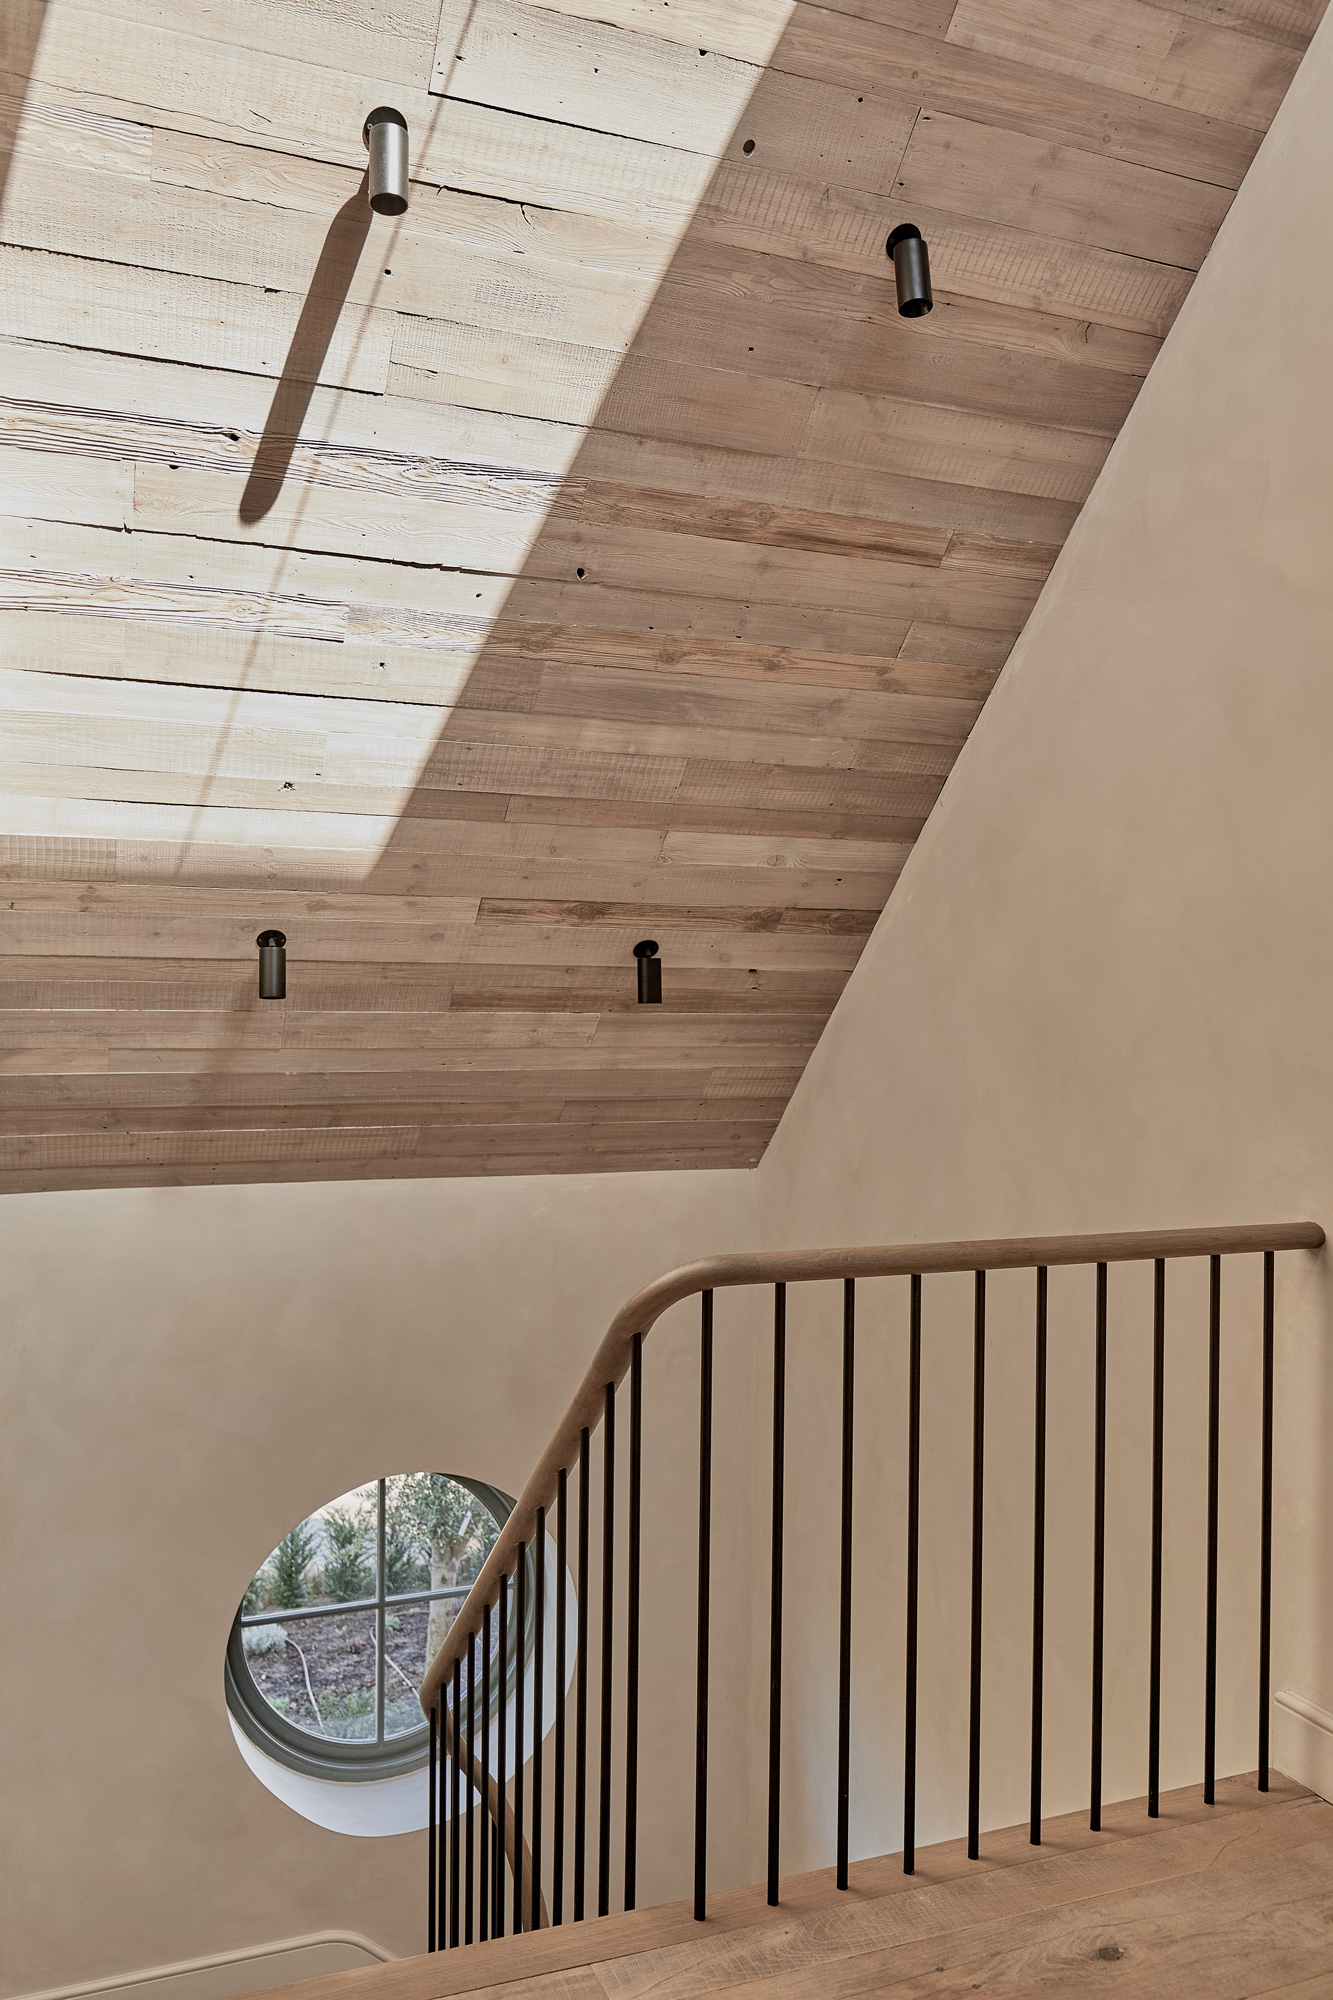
<point x="347" y="1573"/>
<point x="404" y="1568"/>
<point x="263" y="1638"/>
<point x="288" y="1564"/>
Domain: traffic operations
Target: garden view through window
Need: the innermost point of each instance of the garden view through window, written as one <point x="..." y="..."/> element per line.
<point x="337" y="1628"/>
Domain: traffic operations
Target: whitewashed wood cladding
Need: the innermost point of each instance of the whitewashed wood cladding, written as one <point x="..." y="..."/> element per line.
<point x="590" y="554"/>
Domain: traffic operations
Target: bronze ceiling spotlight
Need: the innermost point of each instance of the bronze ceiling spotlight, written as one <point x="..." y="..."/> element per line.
<point x="911" y="270"/>
<point x="272" y="965"/>
<point x="650" y="973"/>
<point x="385" y="134"/>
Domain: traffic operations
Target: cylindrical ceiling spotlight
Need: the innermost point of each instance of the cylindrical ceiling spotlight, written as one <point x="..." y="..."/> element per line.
<point x="272" y="965"/>
<point x="385" y="134"/>
<point x="911" y="270"/>
<point x="650" y="973"/>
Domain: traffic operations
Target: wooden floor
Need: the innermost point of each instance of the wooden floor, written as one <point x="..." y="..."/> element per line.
<point x="1225" y="1901"/>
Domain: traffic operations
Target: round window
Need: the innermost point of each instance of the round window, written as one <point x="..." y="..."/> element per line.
<point x="336" y="1630"/>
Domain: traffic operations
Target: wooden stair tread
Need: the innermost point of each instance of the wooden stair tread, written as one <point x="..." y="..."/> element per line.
<point x="1234" y="1898"/>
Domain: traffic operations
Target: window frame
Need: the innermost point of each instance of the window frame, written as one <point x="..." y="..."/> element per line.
<point x="342" y="1759"/>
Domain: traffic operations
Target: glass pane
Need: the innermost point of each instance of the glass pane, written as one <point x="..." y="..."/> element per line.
<point x="437" y="1536"/>
<point x="346" y="1561"/>
<point x="324" y="1560"/>
<point x="437" y="1532"/>
<point x="318" y="1673"/>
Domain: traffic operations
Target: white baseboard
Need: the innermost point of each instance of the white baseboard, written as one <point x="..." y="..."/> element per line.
<point x="253" y="1969"/>
<point x="1303" y="1741"/>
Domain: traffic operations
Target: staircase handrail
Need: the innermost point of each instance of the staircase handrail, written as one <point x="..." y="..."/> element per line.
<point x="639" y="1314"/>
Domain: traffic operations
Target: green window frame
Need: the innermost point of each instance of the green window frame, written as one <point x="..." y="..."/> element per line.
<point x="338" y="1758"/>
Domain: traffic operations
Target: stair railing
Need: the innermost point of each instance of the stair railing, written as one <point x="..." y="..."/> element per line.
<point x="464" y="1693"/>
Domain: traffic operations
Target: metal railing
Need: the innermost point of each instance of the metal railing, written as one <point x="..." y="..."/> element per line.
<point x="468" y="1863"/>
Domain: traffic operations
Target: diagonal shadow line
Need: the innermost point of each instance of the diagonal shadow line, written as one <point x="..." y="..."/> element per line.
<point x="20" y="33"/>
<point x="306" y="356"/>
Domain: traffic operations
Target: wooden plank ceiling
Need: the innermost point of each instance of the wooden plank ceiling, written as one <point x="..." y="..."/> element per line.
<point x="592" y="554"/>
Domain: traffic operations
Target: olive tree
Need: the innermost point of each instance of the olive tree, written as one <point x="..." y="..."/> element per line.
<point x="455" y="1534"/>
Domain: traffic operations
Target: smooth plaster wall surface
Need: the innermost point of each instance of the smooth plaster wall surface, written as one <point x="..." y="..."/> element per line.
<point x="187" y="1372"/>
<point x="1100" y="998"/>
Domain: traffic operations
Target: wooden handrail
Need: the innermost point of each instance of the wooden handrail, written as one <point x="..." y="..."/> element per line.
<point x="611" y="1362"/>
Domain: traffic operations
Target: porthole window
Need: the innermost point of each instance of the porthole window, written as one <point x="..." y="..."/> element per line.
<point x="337" y="1627"/>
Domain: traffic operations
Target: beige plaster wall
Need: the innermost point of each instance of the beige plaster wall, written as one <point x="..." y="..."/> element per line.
<point x="186" y="1373"/>
<point x="1100" y="998"/>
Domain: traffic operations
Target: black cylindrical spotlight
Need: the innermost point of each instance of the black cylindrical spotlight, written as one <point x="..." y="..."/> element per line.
<point x="650" y="973"/>
<point x="272" y="965"/>
<point x="911" y="270"/>
<point x="385" y="134"/>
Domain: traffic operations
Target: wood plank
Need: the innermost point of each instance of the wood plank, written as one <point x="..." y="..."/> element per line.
<point x="583" y="646"/>
<point x="720" y="816"/>
<point x="969" y="83"/>
<point x="45" y="486"/>
<point x="869" y="349"/>
<point x="594" y="73"/>
<point x="397" y="45"/>
<point x="897" y="436"/>
<point x="750" y="284"/>
<point x="603" y="504"/>
<point x="442" y="361"/>
<point x="68" y="136"/>
<point x="1121" y="45"/>
<point x="609" y="692"/>
<point x="653" y="559"/>
<point x="586" y="279"/>
<point x="970" y="169"/>
<point x="122" y="406"/>
<point x="120" y="309"/>
<point x="194" y="82"/>
<point x="1291" y="22"/>
<point x="174" y="499"/>
<point x="1225" y="75"/>
<point x="748" y="30"/>
<point x="825" y="486"/>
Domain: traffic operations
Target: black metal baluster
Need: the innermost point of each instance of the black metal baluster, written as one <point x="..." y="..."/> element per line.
<point x="455" y="1804"/>
<point x="442" y="1862"/>
<point x="608" y="1608"/>
<point x="1266" y="1527"/>
<point x="538" y="1703"/>
<point x="705" y="1564"/>
<point x="1038" y="1561"/>
<point x="558" y="1818"/>
<point x="1210" y="1635"/>
<point x="632" y="1622"/>
<point x="845" y="1581"/>
<point x="581" y="1687"/>
<point x="487" y="1820"/>
<point x="520" y="1661"/>
<point x="469" y="1898"/>
<point x="1155" y="1624"/>
<point x="978" y="1497"/>
<point x="1098" y="1557"/>
<point x="775" y="1587"/>
<point x="913" y="1574"/>
<point x="501" y="1758"/>
<point x="431" y="1842"/>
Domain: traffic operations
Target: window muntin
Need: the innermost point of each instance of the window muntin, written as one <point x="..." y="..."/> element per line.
<point x="336" y="1629"/>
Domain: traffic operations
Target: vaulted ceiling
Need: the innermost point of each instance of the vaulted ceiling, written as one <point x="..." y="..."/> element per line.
<point x="590" y="555"/>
